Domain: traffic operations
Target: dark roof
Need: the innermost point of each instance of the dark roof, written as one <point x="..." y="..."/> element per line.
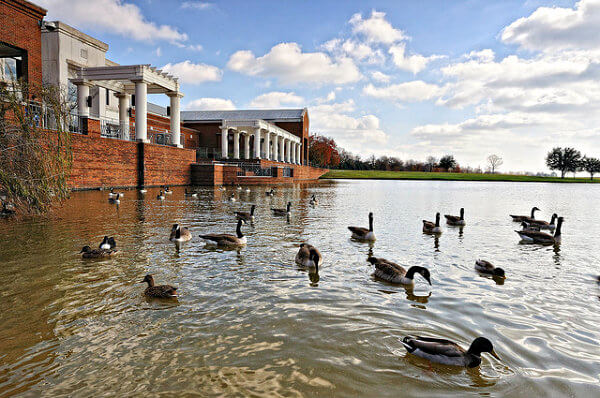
<point x="157" y="109"/>
<point x="264" y="114"/>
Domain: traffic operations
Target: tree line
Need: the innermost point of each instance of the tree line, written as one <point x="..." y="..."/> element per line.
<point x="570" y="160"/>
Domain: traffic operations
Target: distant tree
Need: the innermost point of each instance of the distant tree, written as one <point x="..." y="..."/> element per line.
<point x="447" y="162"/>
<point x="494" y="161"/>
<point x="323" y="151"/>
<point x="591" y="165"/>
<point x="431" y="162"/>
<point x="563" y="159"/>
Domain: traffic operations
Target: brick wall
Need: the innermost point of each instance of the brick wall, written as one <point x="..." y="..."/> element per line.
<point x="19" y="27"/>
<point x="165" y="165"/>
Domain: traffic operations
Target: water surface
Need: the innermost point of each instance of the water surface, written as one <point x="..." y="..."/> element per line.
<point x="249" y="323"/>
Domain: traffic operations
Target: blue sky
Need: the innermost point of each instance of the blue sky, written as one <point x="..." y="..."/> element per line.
<point x="404" y="78"/>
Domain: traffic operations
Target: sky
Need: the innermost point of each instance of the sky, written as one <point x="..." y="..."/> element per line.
<point x="410" y="79"/>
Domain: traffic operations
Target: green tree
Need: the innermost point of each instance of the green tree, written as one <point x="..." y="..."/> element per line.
<point x="591" y="165"/>
<point x="564" y="159"/>
<point x="447" y="162"/>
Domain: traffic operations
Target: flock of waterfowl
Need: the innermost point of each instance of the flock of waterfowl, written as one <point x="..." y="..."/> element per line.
<point x="309" y="257"/>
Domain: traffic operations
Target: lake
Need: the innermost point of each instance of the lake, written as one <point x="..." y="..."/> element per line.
<point x="248" y="322"/>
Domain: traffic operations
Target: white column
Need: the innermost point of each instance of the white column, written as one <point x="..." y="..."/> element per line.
<point x="257" y="142"/>
<point x="124" y="115"/>
<point x="267" y="144"/>
<point x="293" y="151"/>
<point x="224" y="142"/>
<point x="287" y="150"/>
<point x="175" y="119"/>
<point x="298" y="146"/>
<point x="281" y="152"/>
<point x="236" y="144"/>
<point x="275" y="146"/>
<point x="246" y="145"/>
<point x="141" y="113"/>
<point x="83" y="92"/>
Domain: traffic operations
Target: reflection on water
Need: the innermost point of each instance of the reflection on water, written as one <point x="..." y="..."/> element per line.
<point x="250" y="322"/>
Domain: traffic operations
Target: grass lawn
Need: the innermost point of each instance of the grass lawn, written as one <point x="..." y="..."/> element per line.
<point x="419" y="175"/>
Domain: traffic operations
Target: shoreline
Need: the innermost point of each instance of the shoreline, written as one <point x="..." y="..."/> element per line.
<point x="438" y="176"/>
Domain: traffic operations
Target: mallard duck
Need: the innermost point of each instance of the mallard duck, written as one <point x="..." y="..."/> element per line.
<point x="232" y="198"/>
<point x="88" y="252"/>
<point x="361" y="233"/>
<point x="542" y="238"/>
<point x="314" y="201"/>
<point x="108" y="243"/>
<point x="456" y="220"/>
<point x="308" y="256"/>
<point x="432" y="228"/>
<point x="160" y="196"/>
<point x="179" y="234"/>
<point x="485" y="267"/>
<point x="228" y="240"/>
<point x="282" y="212"/>
<point x="447" y="352"/>
<point x="525" y="218"/>
<point x="190" y="194"/>
<point x="116" y="199"/>
<point x="246" y="216"/>
<point x="270" y="193"/>
<point x="394" y="273"/>
<point x="160" y="291"/>
<point x="541" y="224"/>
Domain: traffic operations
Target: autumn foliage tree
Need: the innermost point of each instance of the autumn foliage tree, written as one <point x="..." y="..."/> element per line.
<point x="323" y="151"/>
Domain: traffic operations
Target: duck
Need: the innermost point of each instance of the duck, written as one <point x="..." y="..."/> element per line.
<point x="113" y="194"/>
<point x="270" y="193"/>
<point x="168" y="191"/>
<point x="432" y="228"/>
<point x="542" y="238"/>
<point x="158" y="291"/>
<point x="232" y="198"/>
<point x="88" y="252"/>
<point x="248" y="189"/>
<point x="364" y="233"/>
<point x="160" y="196"/>
<point x="447" y="352"/>
<point x="179" y="234"/>
<point x="226" y="239"/>
<point x="529" y="227"/>
<point x="239" y="188"/>
<point x="222" y="188"/>
<point x="525" y="218"/>
<point x="456" y="220"/>
<point x="541" y="224"/>
<point x="314" y="201"/>
<point x="485" y="267"/>
<point x="192" y="194"/>
<point x="394" y="273"/>
<point x="308" y="256"/>
<point x="282" y="212"/>
<point x="246" y="216"/>
<point x="107" y="243"/>
<point x="143" y="190"/>
<point x="115" y="200"/>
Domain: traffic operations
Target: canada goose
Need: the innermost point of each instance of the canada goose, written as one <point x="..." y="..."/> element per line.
<point x="529" y="227"/>
<point x="309" y="256"/>
<point x="541" y="224"/>
<point x="239" y="188"/>
<point x="270" y="193"/>
<point x="143" y="190"/>
<point x="113" y="194"/>
<point x="542" y="238"/>
<point x="246" y="216"/>
<point x="222" y="188"/>
<point x="456" y="220"/>
<point x="447" y="352"/>
<point x="232" y="198"/>
<point x="228" y="240"/>
<point x="115" y="199"/>
<point x="160" y="291"/>
<point x="525" y="218"/>
<point x="248" y="189"/>
<point x="431" y="228"/>
<point x="168" y="191"/>
<point x="107" y="243"/>
<point x="160" y="196"/>
<point x="363" y="233"/>
<point x="394" y="273"/>
<point x="192" y="194"/>
<point x="88" y="252"/>
<point x="179" y="234"/>
<point x="314" y="201"/>
<point x="282" y="212"/>
<point x="485" y="267"/>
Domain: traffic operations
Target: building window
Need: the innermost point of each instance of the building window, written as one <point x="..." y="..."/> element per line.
<point x="13" y="63"/>
<point x="107" y="97"/>
<point x="83" y="53"/>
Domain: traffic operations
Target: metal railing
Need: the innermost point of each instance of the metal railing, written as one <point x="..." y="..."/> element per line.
<point x="253" y="169"/>
<point x="208" y="153"/>
<point x="287" y="172"/>
<point x="112" y="128"/>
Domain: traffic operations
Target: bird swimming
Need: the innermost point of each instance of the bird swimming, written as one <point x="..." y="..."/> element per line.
<point x="541" y="224"/>
<point x="116" y="199"/>
<point x="543" y="238"/>
<point x="308" y="256"/>
<point x="226" y="239"/>
<point x="447" y="352"/>
<point x="192" y="194"/>
<point x="485" y="267"/>
<point x="432" y="228"/>
<point x="246" y="216"/>
<point x="361" y="233"/>
<point x="88" y="252"/>
<point x="282" y="212"/>
<point x="107" y="243"/>
<point x="456" y="220"/>
<point x="394" y="273"/>
<point x="179" y="234"/>
<point x="270" y="193"/>
<point x="314" y="201"/>
<point x="160" y="196"/>
<point x="158" y="291"/>
<point x="525" y="218"/>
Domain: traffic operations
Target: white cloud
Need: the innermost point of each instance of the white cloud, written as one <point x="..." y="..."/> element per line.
<point x="550" y="29"/>
<point x="290" y="65"/>
<point x="376" y="29"/>
<point x="355" y="50"/>
<point x="413" y="91"/>
<point x="191" y="73"/>
<point x="413" y="63"/>
<point x="380" y="77"/>
<point x="210" y="104"/>
<point x="158" y="52"/>
<point x="114" y="16"/>
<point x="276" y="99"/>
<point x="486" y="55"/>
<point x="195" y="47"/>
<point x="196" y="5"/>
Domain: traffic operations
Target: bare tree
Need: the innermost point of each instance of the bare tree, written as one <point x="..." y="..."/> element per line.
<point x="494" y="161"/>
<point x="431" y="162"/>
